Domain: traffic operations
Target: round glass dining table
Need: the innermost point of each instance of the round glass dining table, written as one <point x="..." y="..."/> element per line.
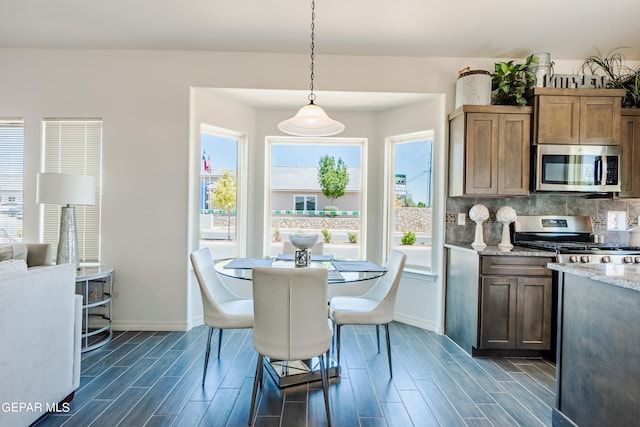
<point x="340" y="271"/>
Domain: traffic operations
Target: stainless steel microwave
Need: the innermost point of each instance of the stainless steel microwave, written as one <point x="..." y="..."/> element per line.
<point x="585" y="168"/>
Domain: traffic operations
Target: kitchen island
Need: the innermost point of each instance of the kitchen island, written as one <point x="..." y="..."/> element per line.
<point x="598" y="363"/>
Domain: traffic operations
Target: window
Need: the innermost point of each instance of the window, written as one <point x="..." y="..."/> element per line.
<point x="293" y="166"/>
<point x="75" y="146"/>
<point x="11" y="170"/>
<point x="221" y="191"/>
<point x="409" y="196"/>
<point x="304" y="202"/>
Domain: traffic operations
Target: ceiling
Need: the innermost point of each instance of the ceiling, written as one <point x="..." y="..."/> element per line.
<point x="568" y="29"/>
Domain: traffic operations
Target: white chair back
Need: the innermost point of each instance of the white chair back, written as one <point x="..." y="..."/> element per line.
<point x="212" y="290"/>
<point x="386" y="289"/>
<point x="290" y="312"/>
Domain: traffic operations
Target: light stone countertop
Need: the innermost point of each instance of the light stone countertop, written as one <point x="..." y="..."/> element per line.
<point x="495" y="250"/>
<point x="622" y="275"/>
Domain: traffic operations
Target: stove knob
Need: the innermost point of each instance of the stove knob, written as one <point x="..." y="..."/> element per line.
<point x="573" y="258"/>
<point x="627" y="260"/>
<point x="585" y="259"/>
<point x="636" y="259"/>
<point x="605" y="259"/>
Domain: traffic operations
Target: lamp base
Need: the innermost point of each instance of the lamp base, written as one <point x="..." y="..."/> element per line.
<point x="68" y="241"/>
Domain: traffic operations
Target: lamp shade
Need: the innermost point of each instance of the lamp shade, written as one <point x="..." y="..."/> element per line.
<point x="65" y="189"/>
<point x="311" y="120"/>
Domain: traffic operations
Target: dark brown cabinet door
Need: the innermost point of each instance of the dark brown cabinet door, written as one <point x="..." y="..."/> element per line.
<point x="533" y="325"/>
<point x="600" y="120"/>
<point x="577" y="116"/>
<point x="558" y="119"/>
<point x="630" y="159"/>
<point x="514" y="148"/>
<point x="482" y="154"/>
<point x="497" y="153"/>
<point x="498" y="312"/>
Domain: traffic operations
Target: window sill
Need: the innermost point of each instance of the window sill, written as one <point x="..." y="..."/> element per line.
<point x="420" y="274"/>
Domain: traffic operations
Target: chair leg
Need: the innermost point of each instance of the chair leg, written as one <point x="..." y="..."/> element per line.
<point x="338" y="343"/>
<point x="378" y="337"/>
<point x="219" y="343"/>
<point x="257" y="380"/>
<point x="324" y="374"/>
<point x="389" y="350"/>
<point x="206" y="355"/>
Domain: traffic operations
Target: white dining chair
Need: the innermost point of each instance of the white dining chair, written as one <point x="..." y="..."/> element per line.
<point x="375" y="307"/>
<point x="291" y="322"/>
<point x="221" y="308"/>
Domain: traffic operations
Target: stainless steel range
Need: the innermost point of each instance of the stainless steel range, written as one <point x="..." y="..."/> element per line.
<point x="571" y="238"/>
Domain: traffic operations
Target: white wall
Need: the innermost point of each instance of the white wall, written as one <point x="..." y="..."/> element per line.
<point x="143" y="98"/>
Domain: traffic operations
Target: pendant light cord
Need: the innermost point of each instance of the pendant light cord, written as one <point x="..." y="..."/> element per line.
<point x="312" y="96"/>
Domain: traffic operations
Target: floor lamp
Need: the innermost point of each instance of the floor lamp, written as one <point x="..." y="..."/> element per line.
<point x="66" y="190"/>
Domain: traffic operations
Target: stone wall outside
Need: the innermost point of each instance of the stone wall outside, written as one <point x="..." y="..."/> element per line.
<point x="417" y="220"/>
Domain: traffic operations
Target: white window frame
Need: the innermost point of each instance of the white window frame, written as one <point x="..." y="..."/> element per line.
<point x="74" y="146"/>
<point x="271" y="140"/>
<point x="241" y="182"/>
<point x="389" y="191"/>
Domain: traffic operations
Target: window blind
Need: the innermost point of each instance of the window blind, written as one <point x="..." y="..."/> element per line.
<point x="11" y="173"/>
<point x="75" y="146"/>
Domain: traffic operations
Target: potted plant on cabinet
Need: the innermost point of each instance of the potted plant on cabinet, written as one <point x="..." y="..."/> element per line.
<point x="510" y="81"/>
<point x="619" y="76"/>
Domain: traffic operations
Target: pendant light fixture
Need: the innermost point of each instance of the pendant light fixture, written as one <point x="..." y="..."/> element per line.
<point x="311" y="120"/>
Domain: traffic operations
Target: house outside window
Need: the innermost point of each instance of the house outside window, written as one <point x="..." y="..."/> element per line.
<point x="304" y="202"/>
<point x="292" y="166"/>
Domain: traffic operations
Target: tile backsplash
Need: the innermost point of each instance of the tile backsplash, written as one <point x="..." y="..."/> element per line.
<point x="539" y="204"/>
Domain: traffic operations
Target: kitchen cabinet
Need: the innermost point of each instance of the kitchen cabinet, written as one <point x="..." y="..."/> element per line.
<point x="577" y="116"/>
<point x="515" y="303"/>
<point x="489" y="150"/>
<point x="500" y="305"/>
<point x="630" y="158"/>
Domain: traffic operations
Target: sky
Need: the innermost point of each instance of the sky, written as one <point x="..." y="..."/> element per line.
<point x="412" y="159"/>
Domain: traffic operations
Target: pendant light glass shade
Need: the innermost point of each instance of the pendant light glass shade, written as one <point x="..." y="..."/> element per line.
<point x="311" y="120"/>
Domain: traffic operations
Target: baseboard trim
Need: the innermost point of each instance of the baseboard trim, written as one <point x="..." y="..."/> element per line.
<point x="417" y="322"/>
<point x="151" y="326"/>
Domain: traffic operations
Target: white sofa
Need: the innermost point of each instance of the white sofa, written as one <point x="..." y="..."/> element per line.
<point x="40" y="333"/>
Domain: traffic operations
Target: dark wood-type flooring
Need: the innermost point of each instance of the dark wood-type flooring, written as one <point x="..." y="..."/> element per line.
<point x="153" y="379"/>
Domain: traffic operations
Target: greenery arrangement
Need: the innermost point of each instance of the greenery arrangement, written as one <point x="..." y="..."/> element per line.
<point x="619" y="75"/>
<point x="408" y="238"/>
<point x="223" y="196"/>
<point x="332" y="177"/>
<point x="510" y="81"/>
<point x="326" y="235"/>
<point x="352" y="236"/>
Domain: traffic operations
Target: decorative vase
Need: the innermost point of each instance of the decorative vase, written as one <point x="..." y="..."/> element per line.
<point x="506" y="215"/>
<point x="303" y="242"/>
<point x="478" y="214"/>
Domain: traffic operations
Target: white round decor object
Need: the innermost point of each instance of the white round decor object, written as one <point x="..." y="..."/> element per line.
<point x="478" y="213"/>
<point x="506" y="214"/>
